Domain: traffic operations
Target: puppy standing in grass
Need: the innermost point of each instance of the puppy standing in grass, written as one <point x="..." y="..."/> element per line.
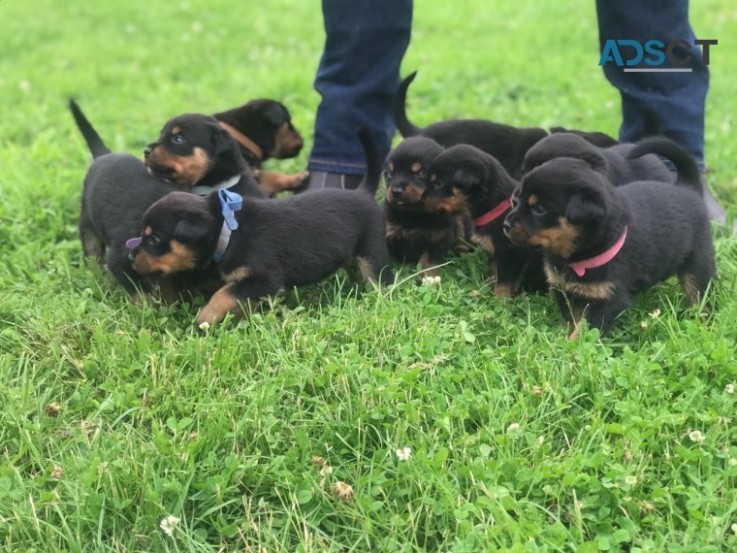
<point x="416" y="232"/>
<point x="604" y="243"/>
<point x="193" y="153"/>
<point x="469" y="178"/>
<point x="261" y="247"/>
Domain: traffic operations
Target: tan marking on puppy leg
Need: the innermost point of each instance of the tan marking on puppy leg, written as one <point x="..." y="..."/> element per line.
<point x="560" y="240"/>
<point x="484" y="242"/>
<point x="367" y="272"/>
<point x="690" y="288"/>
<point x="221" y="303"/>
<point x="428" y="267"/>
<point x="272" y="183"/>
<point x="503" y="290"/>
<point x="241" y="273"/>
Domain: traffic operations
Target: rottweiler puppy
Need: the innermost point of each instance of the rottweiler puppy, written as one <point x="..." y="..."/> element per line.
<point x="612" y="161"/>
<point x="193" y="153"/>
<point x="264" y="130"/>
<point x="506" y="143"/>
<point x="261" y="247"/>
<point x="470" y="178"/>
<point x="603" y="243"/>
<point x="417" y="232"/>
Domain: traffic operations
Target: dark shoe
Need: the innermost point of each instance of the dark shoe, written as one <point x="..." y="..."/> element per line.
<point x="716" y="212"/>
<point x="320" y="179"/>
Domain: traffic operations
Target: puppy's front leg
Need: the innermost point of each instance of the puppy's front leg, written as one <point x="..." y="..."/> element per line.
<point x="272" y="183"/>
<point x="236" y="298"/>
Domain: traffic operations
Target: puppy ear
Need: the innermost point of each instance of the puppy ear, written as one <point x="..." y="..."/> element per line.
<point x="466" y="178"/>
<point x="596" y="160"/>
<point x="275" y="114"/>
<point x="192" y="229"/>
<point x="223" y="144"/>
<point x="585" y="208"/>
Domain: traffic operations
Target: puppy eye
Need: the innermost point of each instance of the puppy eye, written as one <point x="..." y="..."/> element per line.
<point x="153" y="240"/>
<point x="421" y="173"/>
<point x="537" y="209"/>
<point x="177" y="139"/>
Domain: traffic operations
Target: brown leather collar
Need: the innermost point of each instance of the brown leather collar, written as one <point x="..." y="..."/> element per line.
<point x="243" y="140"/>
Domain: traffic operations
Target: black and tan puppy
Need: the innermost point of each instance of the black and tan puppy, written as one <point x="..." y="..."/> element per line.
<point x="193" y="153"/>
<point x="603" y="243"/>
<point x="264" y="130"/>
<point x="261" y="247"/>
<point x="506" y="143"/>
<point x="470" y="178"/>
<point x="612" y="161"/>
<point x="416" y="231"/>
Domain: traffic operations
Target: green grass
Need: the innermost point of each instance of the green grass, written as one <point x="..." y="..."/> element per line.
<point x="114" y="415"/>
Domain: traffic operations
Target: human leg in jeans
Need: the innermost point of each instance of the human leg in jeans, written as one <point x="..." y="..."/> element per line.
<point x="677" y="100"/>
<point x="357" y="78"/>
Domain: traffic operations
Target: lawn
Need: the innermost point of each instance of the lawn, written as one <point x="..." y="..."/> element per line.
<point x="460" y="422"/>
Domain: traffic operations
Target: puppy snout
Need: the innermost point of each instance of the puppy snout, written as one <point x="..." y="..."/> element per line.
<point x="397" y="191"/>
<point x="509" y="222"/>
<point x="148" y="149"/>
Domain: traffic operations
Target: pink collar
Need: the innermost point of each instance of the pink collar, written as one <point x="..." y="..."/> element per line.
<point x="579" y="267"/>
<point x="494" y="214"/>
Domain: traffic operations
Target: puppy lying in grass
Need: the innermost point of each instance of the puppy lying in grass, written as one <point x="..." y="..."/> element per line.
<point x="261" y="247"/>
<point x="603" y="243"/>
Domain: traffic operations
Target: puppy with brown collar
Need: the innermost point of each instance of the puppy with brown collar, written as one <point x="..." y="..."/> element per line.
<point x="416" y="231"/>
<point x="264" y="130"/>
<point x="261" y="247"/>
<point x="193" y="153"/>
<point x="611" y="161"/>
<point x="506" y="143"/>
<point x="603" y="243"/>
<point x="468" y="178"/>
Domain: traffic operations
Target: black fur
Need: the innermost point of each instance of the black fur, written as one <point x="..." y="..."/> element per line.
<point x="668" y="232"/>
<point x="418" y="232"/>
<point x="506" y="143"/>
<point x="470" y="173"/>
<point x="118" y="188"/>
<point x="279" y="244"/>
<point x="614" y="162"/>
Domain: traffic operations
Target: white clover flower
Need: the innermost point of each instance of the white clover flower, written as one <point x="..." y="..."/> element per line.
<point x="643" y="325"/>
<point x="732" y="462"/>
<point x="734" y="527"/>
<point x="655" y="314"/>
<point x="168" y="524"/>
<point x="696" y="436"/>
<point x="513" y="428"/>
<point x="729" y="388"/>
<point x="205" y="326"/>
<point x="630" y="480"/>
<point x="404" y="453"/>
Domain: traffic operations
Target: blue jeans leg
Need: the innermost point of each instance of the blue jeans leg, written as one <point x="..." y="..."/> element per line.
<point x="677" y="100"/>
<point x="357" y="78"/>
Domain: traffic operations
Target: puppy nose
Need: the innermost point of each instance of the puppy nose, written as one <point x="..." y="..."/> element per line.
<point x="147" y="150"/>
<point x="397" y="191"/>
<point x="508" y="222"/>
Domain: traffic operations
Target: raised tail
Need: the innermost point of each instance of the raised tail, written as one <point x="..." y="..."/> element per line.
<point x="374" y="163"/>
<point x="94" y="142"/>
<point x="404" y="126"/>
<point x="687" y="169"/>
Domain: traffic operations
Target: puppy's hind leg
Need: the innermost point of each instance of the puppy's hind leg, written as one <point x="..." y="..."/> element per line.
<point x="372" y="260"/>
<point x="92" y="246"/>
<point x="235" y="298"/>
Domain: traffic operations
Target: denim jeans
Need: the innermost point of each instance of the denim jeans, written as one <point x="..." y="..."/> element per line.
<point x="357" y="79"/>
<point x="366" y="40"/>
<point x="675" y="99"/>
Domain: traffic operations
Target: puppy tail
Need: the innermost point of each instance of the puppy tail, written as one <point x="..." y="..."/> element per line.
<point x="687" y="169"/>
<point x="94" y="142"/>
<point x="404" y="126"/>
<point x="374" y="164"/>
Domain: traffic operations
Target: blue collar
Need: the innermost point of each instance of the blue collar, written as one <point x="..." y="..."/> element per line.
<point x="230" y="202"/>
